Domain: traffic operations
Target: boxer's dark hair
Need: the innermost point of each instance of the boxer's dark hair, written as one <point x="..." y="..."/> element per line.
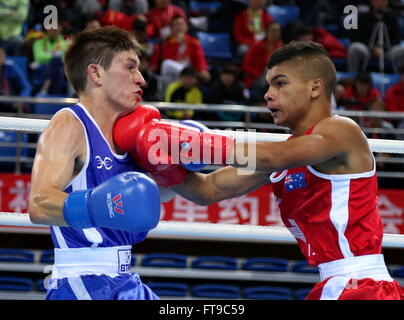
<point x="97" y="46"/>
<point x="310" y="59"/>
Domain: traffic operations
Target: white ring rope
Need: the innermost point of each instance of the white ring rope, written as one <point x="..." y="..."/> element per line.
<point x="38" y="125"/>
<point x="205" y="231"/>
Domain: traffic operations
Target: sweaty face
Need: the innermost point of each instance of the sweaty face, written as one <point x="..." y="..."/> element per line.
<point x="122" y="81"/>
<point x="288" y="96"/>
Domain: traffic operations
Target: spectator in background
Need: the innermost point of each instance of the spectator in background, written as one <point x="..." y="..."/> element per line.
<point x="360" y="93"/>
<point x="378" y="105"/>
<point x="359" y="51"/>
<point x="139" y="30"/>
<point x="178" y="51"/>
<point x="91" y="22"/>
<point x="228" y="89"/>
<point x="394" y="97"/>
<point x="109" y="16"/>
<point x="151" y="88"/>
<point x="48" y="55"/>
<point x="303" y="32"/>
<point x="257" y="57"/>
<point x="88" y="7"/>
<point x="13" y="82"/>
<point x="13" y="14"/>
<point x="130" y="7"/>
<point x="250" y="25"/>
<point x="184" y="90"/>
<point x="160" y="18"/>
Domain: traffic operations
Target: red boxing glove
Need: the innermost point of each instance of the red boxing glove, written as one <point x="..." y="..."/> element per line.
<point x="125" y="134"/>
<point x="185" y="143"/>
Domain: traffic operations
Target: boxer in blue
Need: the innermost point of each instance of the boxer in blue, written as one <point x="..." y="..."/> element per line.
<point x="97" y="201"/>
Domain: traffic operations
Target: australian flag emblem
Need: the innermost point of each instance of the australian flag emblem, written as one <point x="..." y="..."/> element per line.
<point x="295" y="181"/>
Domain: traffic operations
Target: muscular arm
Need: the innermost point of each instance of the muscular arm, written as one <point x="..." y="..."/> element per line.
<point x="336" y="146"/>
<point x="336" y="139"/>
<point x="58" y="148"/>
<point x="225" y="183"/>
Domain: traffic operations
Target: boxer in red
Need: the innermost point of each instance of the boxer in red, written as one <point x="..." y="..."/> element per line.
<point x="323" y="176"/>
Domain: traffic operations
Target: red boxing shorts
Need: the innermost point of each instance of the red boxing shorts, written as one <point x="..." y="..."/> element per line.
<point x="356" y="278"/>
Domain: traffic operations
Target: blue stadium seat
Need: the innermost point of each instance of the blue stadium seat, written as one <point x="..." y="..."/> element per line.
<point x="223" y="291"/>
<point x="345" y="41"/>
<point x="303" y="267"/>
<point x="11" y="137"/>
<point x="398" y="272"/>
<point x="21" y="62"/>
<point x="266" y="264"/>
<point x="215" y="45"/>
<point x="387" y="80"/>
<point x="268" y="292"/>
<point x="215" y="262"/>
<point x="38" y="76"/>
<point x="284" y="14"/>
<point x="48" y="108"/>
<point x="204" y="7"/>
<point x="345" y="75"/>
<point x="16" y="283"/>
<point x="301" y="294"/>
<point x="174" y="289"/>
<point x="40" y="286"/>
<point x="168" y="260"/>
<point x="16" y="255"/>
<point x="47" y="256"/>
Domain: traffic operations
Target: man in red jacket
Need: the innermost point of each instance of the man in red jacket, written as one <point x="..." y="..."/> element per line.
<point x="394" y="97"/>
<point x="180" y="50"/>
<point x="160" y="18"/>
<point x="250" y="24"/>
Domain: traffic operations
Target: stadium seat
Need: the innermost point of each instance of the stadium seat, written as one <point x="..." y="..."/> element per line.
<point x="284" y="14"/>
<point x="21" y="62"/>
<point x="204" y="7"/>
<point x="16" y="255"/>
<point x="38" y="77"/>
<point x="303" y="267"/>
<point x="168" y="260"/>
<point x="16" y="283"/>
<point x="384" y="81"/>
<point x="398" y="272"/>
<point x="48" y="108"/>
<point x="174" y="289"/>
<point x="215" y="262"/>
<point x="266" y="264"/>
<point x="39" y="285"/>
<point x="301" y="294"/>
<point x="9" y="151"/>
<point x="267" y="292"/>
<point x="215" y="45"/>
<point x="222" y="291"/>
<point x="47" y="256"/>
<point x="345" y="41"/>
<point x="345" y="75"/>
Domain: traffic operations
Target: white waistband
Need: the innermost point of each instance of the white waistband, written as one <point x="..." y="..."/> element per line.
<point x="361" y="267"/>
<point x="74" y="262"/>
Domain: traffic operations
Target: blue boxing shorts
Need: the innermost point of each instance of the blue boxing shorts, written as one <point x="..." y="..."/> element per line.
<point x="95" y="274"/>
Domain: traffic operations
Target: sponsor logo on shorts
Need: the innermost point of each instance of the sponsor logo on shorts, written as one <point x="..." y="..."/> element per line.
<point x="124" y="259"/>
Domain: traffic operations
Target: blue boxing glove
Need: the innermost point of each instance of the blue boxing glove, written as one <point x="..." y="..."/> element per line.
<point x="129" y="201"/>
<point x="193" y="166"/>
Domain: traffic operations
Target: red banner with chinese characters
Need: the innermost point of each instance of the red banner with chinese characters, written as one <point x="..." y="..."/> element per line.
<point x="256" y="208"/>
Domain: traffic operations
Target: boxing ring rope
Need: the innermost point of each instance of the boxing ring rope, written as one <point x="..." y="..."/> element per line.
<point x="38" y="125"/>
<point x="206" y="231"/>
<point x="203" y="231"/>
